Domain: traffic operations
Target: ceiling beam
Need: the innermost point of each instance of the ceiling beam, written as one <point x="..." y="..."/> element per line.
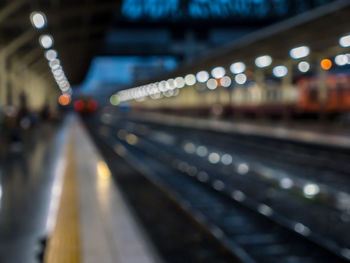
<point x="55" y="15"/>
<point x="9" y="9"/>
<point x="18" y="42"/>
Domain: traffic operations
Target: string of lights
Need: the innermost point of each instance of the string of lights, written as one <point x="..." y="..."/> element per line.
<point x="39" y="21"/>
<point x="219" y="76"/>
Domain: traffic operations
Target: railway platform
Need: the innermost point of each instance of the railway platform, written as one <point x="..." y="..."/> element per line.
<point x="181" y="131"/>
<point x="156" y="188"/>
<point x="60" y="203"/>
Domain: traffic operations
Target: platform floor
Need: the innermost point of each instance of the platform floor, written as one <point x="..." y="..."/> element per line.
<point x="59" y="187"/>
<point x="26" y="176"/>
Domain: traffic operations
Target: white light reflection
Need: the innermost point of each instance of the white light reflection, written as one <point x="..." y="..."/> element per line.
<point x="218" y="185"/>
<point x="265" y="210"/>
<point x="241" y="78"/>
<point x="299" y="52"/>
<point x="103" y="183"/>
<point x="302" y="229"/>
<point x="225" y="82"/>
<point x="202" y="76"/>
<point x="202" y="151"/>
<point x="243" y="168"/>
<point x="190" y="148"/>
<point x="280" y="71"/>
<point x="310" y="190"/>
<point x="218" y="72"/>
<point x="341" y="60"/>
<point x="46" y="41"/>
<point x="344" y="41"/>
<point x="212" y="84"/>
<point x="237" y="68"/>
<point x="214" y="158"/>
<point x="179" y="82"/>
<point x="286" y="183"/>
<point x="263" y="61"/>
<point x="226" y="159"/>
<point x="38" y="19"/>
<point x="51" y="54"/>
<point x="190" y="80"/>
<point x="303" y="66"/>
<point x="238" y="196"/>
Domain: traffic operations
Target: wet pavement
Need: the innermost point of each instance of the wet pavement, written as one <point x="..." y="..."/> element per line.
<point x="26" y="178"/>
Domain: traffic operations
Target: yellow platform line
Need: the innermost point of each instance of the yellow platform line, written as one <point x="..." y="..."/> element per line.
<point x="64" y="243"/>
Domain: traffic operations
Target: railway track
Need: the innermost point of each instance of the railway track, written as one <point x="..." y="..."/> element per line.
<point x="176" y="235"/>
<point x="247" y="227"/>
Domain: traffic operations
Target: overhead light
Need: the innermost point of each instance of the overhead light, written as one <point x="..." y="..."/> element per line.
<point x="38" y="20"/>
<point x="263" y="61"/>
<point x="56" y="67"/>
<point x="46" y="41"/>
<point x="218" y="72"/>
<point x="63" y="83"/>
<point x="60" y="77"/>
<point x="64" y="99"/>
<point x="241" y="78"/>
<point x="171" y="84"/>
<point x="212" y="84"/>
<point x="54" y="63"/>
<point x="64" y="88"/>
<point x="190" y="80"/>
<point x="326" y="64"/>
<point x="299" y="52"/>
<point x="225" y="82"/>
<point x="58" y="72"/>
<point x="237" y="68"/>
<point x="341" y="60"/>
<point x="162" y="86"/>
<point x="280" y="71"/>
<point x="69" y="91"/>
<point x="303" y="66"/>
<point x="51" y="55"/>
<point x="344" y="41"/>
<point x="179" y="82"/>
<point x="202" y="76"/>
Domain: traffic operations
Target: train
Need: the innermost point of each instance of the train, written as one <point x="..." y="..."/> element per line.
<point x="308" y="95"/>
<point x="85" y="105"/>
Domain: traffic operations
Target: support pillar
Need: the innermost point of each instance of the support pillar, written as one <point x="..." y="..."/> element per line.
<point x="3" y="79"/>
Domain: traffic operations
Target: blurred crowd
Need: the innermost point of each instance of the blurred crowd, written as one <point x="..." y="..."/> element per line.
<point x="16" y="121"/>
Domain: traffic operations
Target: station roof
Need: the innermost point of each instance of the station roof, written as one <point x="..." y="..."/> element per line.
<point x="77" y="27"/>
<point x="319" y="29"/>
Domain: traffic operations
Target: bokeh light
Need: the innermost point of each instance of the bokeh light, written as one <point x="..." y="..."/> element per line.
<point x="303" y="66"/>
<point x="79" y="105"/>
<point x="38" y="20"/>
<point x="64" y="99"/>
<point x="114" y="100"/>
<point x="326" y="64"/>
<point x="46" y="41"/>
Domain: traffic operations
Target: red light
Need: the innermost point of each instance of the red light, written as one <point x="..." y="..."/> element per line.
<point x="79" y="105"/>
<point x="64" y="99"/>
<point x="92" y="105"/>
<point x="326" y="64"/>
